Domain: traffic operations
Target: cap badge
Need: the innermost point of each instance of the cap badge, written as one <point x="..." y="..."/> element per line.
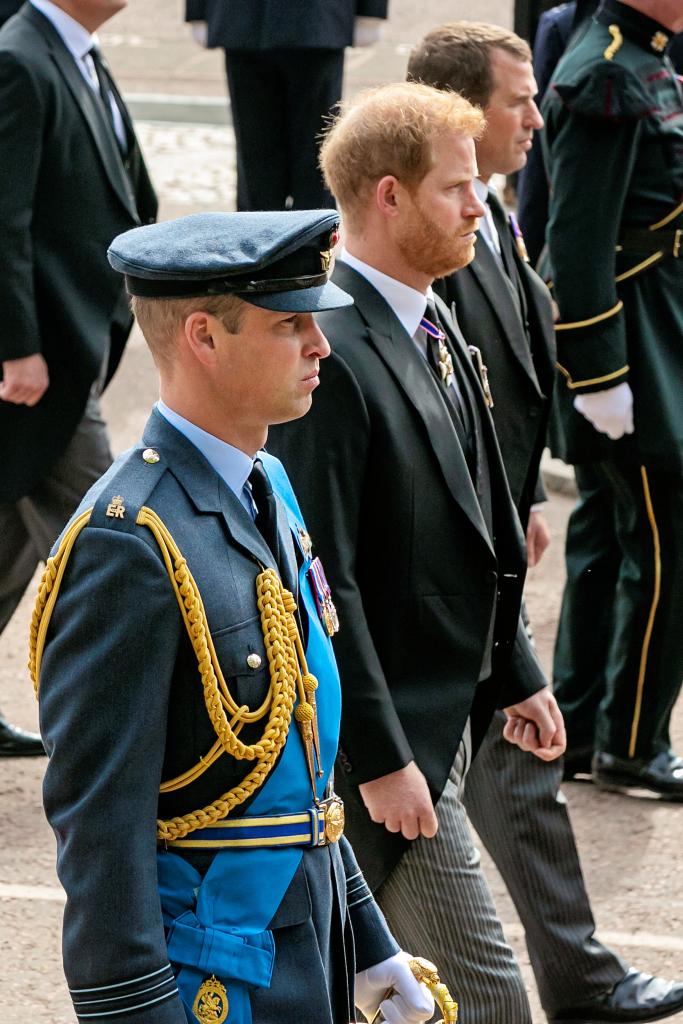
<point x="326" y="260"/>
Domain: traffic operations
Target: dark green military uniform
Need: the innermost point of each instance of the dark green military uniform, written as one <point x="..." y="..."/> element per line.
<point x="614" y="152"/>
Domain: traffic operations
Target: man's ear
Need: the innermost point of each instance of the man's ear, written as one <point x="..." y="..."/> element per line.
<point x="387" y="195"/>
<point x="200" y="333"/>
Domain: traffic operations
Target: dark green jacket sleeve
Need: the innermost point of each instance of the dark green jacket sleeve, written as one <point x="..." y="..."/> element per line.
<point x="591" y="148"/>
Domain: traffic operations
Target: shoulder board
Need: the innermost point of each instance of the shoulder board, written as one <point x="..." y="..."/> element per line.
<point x="123" y="491"/>
<point x="606" y="90"/>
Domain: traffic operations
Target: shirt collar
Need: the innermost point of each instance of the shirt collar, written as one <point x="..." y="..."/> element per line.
<point x="75" y="37"/>
<point x="231" y="464"/>
<point x="407" y="303"/>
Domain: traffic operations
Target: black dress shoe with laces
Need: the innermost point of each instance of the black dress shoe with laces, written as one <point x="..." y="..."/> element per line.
<point x="636" y="998"/>
<point x="662" y="775"/>
<point x="16" y="742"/>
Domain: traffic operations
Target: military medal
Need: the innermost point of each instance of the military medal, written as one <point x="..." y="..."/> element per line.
<point x="445" y="360"/>
<point x="211" y="1003"/>
<point x="323" y="597"/>
<point x="519" y="238"/>
<point x="483" y="372"/>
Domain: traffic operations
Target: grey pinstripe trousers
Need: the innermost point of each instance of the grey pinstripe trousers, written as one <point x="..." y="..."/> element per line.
<point x="438" y="905"/>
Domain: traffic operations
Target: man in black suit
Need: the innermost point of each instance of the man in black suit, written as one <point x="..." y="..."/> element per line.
<point x="285" y="64"/>
<point x="404" y="490"/>
<point x="504" y="309"/>
<point x="73" y="178"/>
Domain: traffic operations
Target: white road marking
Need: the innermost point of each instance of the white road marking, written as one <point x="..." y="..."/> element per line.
<point x="634" y="940"/>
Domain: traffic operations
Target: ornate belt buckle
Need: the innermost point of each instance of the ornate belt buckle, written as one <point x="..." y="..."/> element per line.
<point x="333" y="818"/>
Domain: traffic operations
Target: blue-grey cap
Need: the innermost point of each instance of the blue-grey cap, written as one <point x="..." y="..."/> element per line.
<point x="276" y="260"/>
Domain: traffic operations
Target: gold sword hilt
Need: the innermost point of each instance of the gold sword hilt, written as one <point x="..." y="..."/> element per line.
<point x="426" y="973"/>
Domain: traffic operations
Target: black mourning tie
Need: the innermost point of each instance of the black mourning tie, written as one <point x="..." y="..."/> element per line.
<point x="106" y="95"/>
<point x="266" y="507"/>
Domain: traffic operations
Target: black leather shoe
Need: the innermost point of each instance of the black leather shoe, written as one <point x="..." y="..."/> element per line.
<point x="662" y="775"/>
<point x="16" y="742"/>
<point x="576" y="761"/>
<point x="637" y="998"/>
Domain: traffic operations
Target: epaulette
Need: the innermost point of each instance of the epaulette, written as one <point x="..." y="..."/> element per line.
<point x="126" y="488"/>
<point x="606" y="90"/>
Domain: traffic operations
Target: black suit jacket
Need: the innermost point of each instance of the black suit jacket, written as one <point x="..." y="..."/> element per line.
<point x="65" y="193"/>
<point x="275" y="25"/>
<point x="514" y="330"/>
<point x="393" y="513"/>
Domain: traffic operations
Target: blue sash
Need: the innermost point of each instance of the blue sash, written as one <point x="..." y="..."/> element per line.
<point x="219" y="925"/>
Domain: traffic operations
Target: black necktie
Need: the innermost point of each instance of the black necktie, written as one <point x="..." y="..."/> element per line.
<point x="106" y="95"/>
<point x="266" y="507"/>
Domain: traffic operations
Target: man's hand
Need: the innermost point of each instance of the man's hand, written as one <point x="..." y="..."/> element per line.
<point x="401" y="802"/>
<point x="610" y="411"/>
<point x="537" y="537"/>
<point x="536" y="725"/>
<point x="25" y="381"/>
<point x="392" y="987"/>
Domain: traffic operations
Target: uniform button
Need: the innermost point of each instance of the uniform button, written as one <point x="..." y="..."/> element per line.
<point x="150" y="456"/>
<point x="253" y="661"/>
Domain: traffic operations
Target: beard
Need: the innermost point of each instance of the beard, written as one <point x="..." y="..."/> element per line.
<point x="431" y="249"/>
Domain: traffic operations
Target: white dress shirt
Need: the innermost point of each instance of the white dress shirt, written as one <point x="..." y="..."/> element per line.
<point x="407" y="303"/>
<point x="79" y="42"/>
<point x="231" y="464"/>
<point x="487" y="227"/>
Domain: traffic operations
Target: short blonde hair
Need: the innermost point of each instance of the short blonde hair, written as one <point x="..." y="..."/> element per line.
<point x="390" y="130"/>
<point x="161" y="319"/>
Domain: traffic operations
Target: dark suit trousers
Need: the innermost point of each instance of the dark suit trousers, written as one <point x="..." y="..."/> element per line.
<point x="279" y="102"/>
<point x="30" y="526"/>
<point x="643" y="656"/>
<point x="514" y="801"/>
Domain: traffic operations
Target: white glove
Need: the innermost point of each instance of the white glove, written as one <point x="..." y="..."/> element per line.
<point x="410" y="1002"/>
<point x="200" y="33"/>
<point x="610" y="411"/>
<point x="367" y="31"/>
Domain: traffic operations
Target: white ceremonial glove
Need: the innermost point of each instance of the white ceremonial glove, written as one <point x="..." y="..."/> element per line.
<point x="200" y="33"/>
<point x="409" y="1001"/>
<point x="610" y="411"/>
<point x="367" y="31"/>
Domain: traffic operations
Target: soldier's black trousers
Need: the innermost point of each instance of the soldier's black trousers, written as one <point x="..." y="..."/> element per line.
<point x="619" y="653"/>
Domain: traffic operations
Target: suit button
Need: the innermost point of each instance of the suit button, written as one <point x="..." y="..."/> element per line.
<point x="344" y="762"/>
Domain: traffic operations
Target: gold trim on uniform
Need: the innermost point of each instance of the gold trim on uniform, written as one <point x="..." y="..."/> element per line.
<point x="659" y="42"/>
<point x="575" y="324"/>
<point x="667" y="220"/>
<point x="616" y="44"/>
<point x="651" y="617"/>
<point x="571" y="384"/>
<point x="654" y="258"/>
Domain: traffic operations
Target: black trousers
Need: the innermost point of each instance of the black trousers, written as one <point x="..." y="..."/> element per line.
<point x="280" y="99"/>
<point x="619" y="654"/>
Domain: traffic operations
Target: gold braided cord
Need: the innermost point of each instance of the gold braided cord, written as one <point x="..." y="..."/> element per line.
<point x="48" y="589"/>
<point x="286" y="661"/>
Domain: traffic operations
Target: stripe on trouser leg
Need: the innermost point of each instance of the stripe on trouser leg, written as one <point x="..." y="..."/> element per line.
<point x="438" y="905"/>
<point x="645" y="650"/>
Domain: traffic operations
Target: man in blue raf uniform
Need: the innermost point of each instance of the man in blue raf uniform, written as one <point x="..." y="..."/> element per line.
<point x="189" y="697"/>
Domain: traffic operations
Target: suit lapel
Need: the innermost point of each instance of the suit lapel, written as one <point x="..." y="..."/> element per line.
<point x="411" y="374"/>
<point x="496" y="286"/>
<point x="90" y="109"/>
